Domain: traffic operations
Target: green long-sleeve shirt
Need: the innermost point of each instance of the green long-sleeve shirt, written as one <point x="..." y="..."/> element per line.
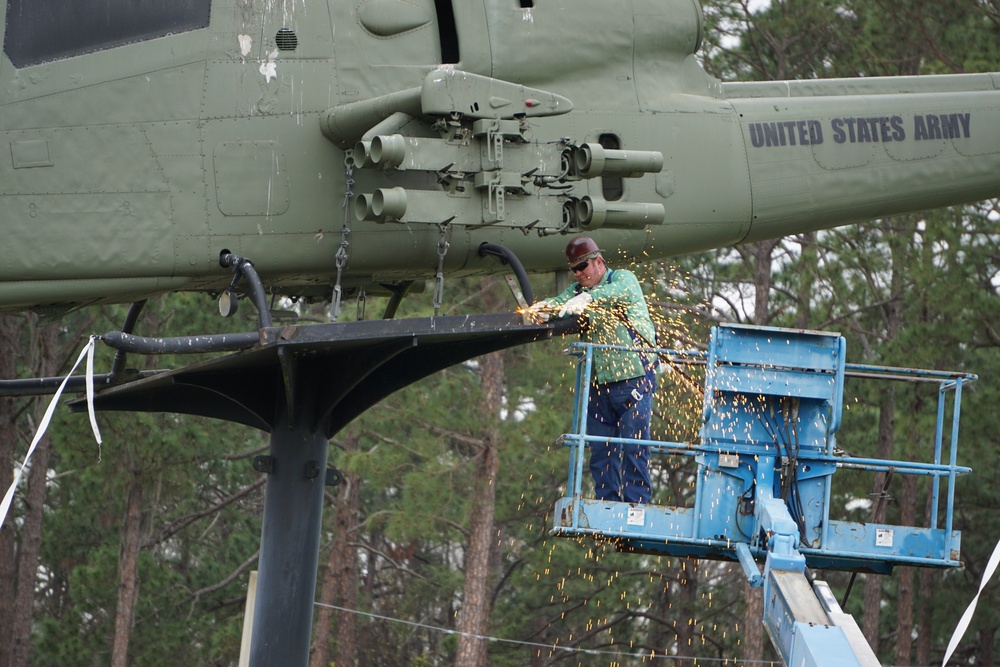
<point x="618" y="294"/>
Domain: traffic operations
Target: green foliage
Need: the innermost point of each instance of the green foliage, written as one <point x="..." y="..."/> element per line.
<point x="181" y="465"/>
<point x="919" y="291"/>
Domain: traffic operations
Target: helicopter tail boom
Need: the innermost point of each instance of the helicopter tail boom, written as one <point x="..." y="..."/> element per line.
<point x="845" y="150"/>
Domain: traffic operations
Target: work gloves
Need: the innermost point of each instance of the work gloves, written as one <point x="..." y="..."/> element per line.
<point x="541" y="311"/>
<point x="576" y="305"/>
<point x="538" y="312"/>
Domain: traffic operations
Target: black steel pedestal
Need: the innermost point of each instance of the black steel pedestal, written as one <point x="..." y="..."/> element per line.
<point x="303" y="384"/>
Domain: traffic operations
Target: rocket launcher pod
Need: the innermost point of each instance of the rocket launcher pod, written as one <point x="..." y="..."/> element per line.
<point x="593" y="213"/>
<point x="593" y="160"/>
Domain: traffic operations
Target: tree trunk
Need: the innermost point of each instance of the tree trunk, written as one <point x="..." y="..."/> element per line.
<point x="31" y="531"/>
<point x="873" y="599"/>
<point x="926" y="607"/>
<point x="472" y="622"/>
<point x="365" y="635"/>
<point x="927" y="584"/>
<point x="340" y="583"/>
<point x="873" y="582"/>
<point x="761" y="253"/>
<point x="807" y="278"/>
<point x="31" y="543"/>
<point x="904" y="605"/>
<point x="985" y="656"/>
<point x="539" y="655"/>
<point x="128" y="572"/>
<point x="687" y="613"/>
<point x="666" y="634"/>
<point x="9" y="342"/>
<point x="347" y="587"/>
<point x="753" y="620"/>
<point x="893" y="317"/>
<point x="753" y="614"/>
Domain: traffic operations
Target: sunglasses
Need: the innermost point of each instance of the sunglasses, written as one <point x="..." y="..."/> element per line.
<point x="582" y="266"/>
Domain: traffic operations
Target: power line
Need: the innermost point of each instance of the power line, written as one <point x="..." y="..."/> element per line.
<point x="549" y="647"/>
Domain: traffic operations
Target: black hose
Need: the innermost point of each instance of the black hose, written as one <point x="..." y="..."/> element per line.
<point x="45" y="386"/>
<point x="506" y="256"/>
<point x="118" y="364"/>
<point x="124" y="342"/>
<point x="182" y="344"/>
<point x="245" y="267"/>
<point x="48" y="386"/>
<point x="398" y="292"/>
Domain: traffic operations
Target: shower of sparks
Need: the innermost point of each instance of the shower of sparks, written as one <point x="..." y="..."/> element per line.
<point x="624" y="588"/>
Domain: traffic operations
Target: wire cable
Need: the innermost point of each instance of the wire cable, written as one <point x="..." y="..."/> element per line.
<point x="549" y="647"/>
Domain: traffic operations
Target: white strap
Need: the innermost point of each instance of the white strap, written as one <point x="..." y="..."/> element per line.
<point x="90" y="393"/>
<point x="8" y="497"/>
<point x="963" y="623"/>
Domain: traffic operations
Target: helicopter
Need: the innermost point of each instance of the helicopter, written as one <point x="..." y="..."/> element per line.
<point x="372" y="146"/>
<point x="322" y="148"/>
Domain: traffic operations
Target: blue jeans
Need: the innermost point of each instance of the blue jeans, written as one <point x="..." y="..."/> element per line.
<point x="621" y="471"/>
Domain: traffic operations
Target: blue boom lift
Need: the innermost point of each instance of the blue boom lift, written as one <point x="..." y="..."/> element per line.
<point x="766" y="459"/>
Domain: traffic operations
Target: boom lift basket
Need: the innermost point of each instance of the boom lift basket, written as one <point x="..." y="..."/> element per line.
<point x="773" y="403"/>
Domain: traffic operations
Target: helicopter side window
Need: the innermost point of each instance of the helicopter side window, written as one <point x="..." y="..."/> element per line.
<point x="612" y="186"/>
<point x="40" y="31"/>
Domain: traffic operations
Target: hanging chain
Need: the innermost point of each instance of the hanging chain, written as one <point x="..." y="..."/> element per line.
<point x="345" y="236"/>
<point x="439" y="278"/>
<point x="362" y="302"/>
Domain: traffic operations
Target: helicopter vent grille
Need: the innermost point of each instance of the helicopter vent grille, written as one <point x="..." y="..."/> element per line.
<point x="286" y="39"/>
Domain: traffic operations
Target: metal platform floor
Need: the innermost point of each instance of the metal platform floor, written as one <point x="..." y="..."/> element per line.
<point x="342" y="368"/>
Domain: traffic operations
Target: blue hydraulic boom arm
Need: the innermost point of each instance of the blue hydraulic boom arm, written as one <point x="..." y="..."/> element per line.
<point x="802" y="618"/>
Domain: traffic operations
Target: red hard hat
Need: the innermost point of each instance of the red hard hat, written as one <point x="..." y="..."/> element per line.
<point x="580" y="248"/>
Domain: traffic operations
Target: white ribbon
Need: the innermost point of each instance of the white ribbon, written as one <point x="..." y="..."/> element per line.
<point x="8" y="497"/>
<point x="963" y="623"/>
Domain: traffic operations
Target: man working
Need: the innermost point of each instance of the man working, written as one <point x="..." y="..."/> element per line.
<point x="621" y="392"/>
